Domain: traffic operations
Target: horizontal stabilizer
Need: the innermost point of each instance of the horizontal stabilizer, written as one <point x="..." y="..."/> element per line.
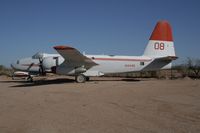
<point x="167" y="58"/>
<point x="160" y="63"/>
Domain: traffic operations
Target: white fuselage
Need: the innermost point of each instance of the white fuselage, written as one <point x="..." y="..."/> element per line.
<point x="114" y="64"/>
<point x="117" y="64"/>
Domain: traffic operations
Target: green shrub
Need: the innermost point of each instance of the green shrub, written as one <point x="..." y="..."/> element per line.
<point x="5" y="71"/>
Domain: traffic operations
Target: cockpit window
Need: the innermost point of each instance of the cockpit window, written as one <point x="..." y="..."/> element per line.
<point x="38" y="55"/>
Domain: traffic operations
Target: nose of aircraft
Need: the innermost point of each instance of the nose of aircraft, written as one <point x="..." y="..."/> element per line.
<point x="15" y="65"/>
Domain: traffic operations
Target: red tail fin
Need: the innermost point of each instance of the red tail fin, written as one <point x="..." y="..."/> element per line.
<point x="161" y="41"/>
<point x="162" y="32"/>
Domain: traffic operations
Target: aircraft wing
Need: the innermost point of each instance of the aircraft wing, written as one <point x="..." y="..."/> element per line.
<point x="73" y="57"/>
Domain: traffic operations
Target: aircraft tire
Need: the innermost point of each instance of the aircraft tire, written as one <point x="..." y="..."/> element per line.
<point x="87" y="78"/>
<point x="80" y="78"/>
<point x="29" y="78"/>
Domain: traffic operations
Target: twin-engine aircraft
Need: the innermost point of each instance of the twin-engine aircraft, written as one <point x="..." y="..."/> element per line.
<point x="159" y="54"/>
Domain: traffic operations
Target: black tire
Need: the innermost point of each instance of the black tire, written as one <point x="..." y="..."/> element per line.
<point x="87" y="78"/>
<point x="80" y="78"/>
<point x="30" y="79"/>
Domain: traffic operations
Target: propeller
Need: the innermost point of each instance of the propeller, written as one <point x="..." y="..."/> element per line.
<point x="41" y="68"/>
<point x="30" y="66"/>
<point x="53" y="69"/>
<point x="56" y="60"/>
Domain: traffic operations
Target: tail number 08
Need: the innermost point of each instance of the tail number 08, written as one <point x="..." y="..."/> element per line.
<point x="159" y="46"/>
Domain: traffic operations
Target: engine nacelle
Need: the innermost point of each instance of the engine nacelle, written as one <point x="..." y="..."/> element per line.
<point x="80" y="70"/>
<point x="49" y="62"/>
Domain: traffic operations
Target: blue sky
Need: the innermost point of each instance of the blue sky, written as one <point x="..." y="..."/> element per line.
<point x="120" y="27"/>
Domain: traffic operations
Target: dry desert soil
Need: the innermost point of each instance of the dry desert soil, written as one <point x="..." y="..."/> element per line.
<point x="102" y="105"/>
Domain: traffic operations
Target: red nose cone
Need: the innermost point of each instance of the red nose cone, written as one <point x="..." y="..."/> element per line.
<point x="162" y="32"/>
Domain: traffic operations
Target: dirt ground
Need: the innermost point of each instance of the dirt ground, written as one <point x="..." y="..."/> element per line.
<point x="102" y="105"/>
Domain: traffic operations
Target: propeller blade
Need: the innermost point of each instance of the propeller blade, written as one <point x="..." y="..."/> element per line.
<point x="30" y="66"/>
<point x="41" y="68"/>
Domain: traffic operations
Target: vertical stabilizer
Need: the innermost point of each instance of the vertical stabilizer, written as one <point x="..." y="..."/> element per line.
<point x="161" y="41"/>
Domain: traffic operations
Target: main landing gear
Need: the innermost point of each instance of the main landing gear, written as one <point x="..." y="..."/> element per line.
<point x="81" y="78"/>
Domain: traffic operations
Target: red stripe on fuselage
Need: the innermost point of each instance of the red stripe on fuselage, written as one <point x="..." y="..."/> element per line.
<point x="120" y="59"/>
<point x="21" y="75"/>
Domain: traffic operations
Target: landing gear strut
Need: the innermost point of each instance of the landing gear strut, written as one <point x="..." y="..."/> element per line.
<point x="80" y="78"/>
<point x="30" y="78"/>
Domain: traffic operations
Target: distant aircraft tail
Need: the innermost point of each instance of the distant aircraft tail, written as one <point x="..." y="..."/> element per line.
<point x="161" y="42"/>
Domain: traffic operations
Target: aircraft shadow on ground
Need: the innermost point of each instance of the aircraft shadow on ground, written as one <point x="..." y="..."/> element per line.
<point x="14" y="81"/>
<point x="124" y="79"/>
<point x="24" y="83"/>
<point x="131" y="80"/>
<point x="43" y="82"/>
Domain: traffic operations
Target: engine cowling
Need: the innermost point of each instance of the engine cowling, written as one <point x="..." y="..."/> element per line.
<point x="48" y="63"/>
<point x="80" y="70"/>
